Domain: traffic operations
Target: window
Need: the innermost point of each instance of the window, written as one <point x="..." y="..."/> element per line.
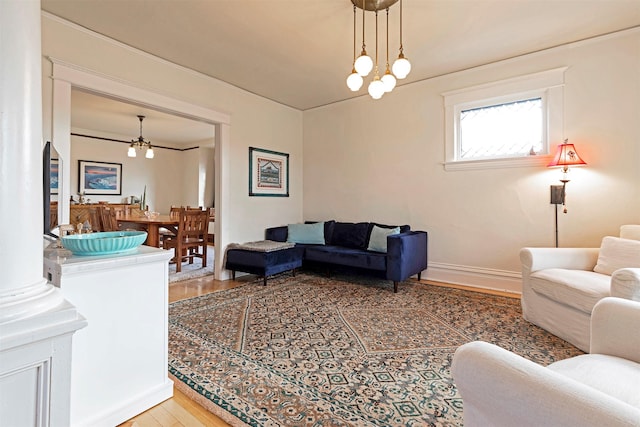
<point x="504" y="124"/>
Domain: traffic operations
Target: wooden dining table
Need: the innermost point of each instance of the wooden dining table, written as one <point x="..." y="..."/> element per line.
<point x="152" y="226"/>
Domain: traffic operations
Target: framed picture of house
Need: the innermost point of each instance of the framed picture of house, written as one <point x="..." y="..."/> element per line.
<point x="53" y="176"/>
<point x="99" y="177"/>
<point x="268" y="173"/>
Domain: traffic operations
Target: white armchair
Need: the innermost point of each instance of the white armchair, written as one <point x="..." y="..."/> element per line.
<point x="500" y="388"/>
<point x="560" y="287"/>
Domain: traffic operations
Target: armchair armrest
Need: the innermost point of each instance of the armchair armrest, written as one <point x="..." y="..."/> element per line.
<point x="535" y="259"/>
<point x="406" y="255"/>
<point x="615" y="323"/>
<point x="625" y="283"/>
<point x="502" y="389"/>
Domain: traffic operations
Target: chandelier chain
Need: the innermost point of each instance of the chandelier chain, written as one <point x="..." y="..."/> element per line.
<point x="354" y="33"/>
<point x="376" y="42"/>
<point x="401" y="47"/>
<point x="364" y="51"/>
<point x="387" y="38"/>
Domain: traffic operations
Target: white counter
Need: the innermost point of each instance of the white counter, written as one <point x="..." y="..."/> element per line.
<point x="119" y="361"/>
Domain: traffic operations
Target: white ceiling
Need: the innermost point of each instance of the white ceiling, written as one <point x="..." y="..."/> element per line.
<point x="99" y="116"/>
<point x="299" y="52"/>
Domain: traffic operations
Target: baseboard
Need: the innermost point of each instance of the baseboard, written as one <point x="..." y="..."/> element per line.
<point x="476" y="277"/>
<point x="137" y="405"/>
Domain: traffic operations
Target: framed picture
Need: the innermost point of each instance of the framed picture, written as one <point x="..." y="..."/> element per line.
<point x="268" y="173"/>
<point x="99" y="177"/>
<point x="53" y="176"/>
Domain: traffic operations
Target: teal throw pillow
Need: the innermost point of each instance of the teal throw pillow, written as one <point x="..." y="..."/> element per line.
<point x="311" y="234"/>
<point x="378" y="239"/>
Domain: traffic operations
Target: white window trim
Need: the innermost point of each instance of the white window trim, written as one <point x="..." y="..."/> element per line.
<point x="546" y="84"/>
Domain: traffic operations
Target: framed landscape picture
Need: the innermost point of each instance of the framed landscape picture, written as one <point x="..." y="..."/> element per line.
<point x="268" y="173"/>
<point x="99" y="177"/>
<point x="53" y="176"/>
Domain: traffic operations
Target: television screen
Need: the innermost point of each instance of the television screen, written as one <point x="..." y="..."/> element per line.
<point x="49" y="186"/>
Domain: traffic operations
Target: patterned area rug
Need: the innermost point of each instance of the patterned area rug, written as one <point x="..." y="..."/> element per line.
<point x="313" y="351"/>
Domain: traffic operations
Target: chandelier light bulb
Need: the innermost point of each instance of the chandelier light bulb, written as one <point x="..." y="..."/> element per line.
<point x="149" y="154"/>
<point x="132" y="151"/>
<point x="354" y="81"/>
<point x="376" y="88"/>
<point x="364" y="64"/>
<point x="401" y="67"/>
<point x="389" y="81"/>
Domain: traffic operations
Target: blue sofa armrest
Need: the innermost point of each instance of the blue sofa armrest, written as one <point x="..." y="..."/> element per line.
<point x="406" y="255"/>
<point x="278" y="234"/>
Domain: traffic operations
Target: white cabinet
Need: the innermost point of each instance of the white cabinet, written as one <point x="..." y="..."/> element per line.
<point x="119" y="361"/>
<point x="35" y="360"/>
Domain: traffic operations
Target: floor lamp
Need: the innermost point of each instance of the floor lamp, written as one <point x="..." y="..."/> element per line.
<point x="566" y="156"/>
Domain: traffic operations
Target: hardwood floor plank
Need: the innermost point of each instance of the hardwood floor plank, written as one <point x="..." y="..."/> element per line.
<point x="145" y="420"/>
<point x="182" y="414"/>
<point x="163" y="416"/>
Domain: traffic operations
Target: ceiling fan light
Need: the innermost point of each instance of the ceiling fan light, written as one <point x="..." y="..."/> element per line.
<point x="132" y="151"/>
<point x="389" y="81"/>
<point x="401" y="67"/>
<point x="364" y="64"/>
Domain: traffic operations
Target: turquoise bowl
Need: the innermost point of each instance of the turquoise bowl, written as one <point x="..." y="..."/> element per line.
<point x="104" y="243"/>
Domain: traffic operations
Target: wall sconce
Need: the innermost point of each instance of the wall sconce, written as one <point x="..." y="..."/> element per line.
<point x="565" y="156"/>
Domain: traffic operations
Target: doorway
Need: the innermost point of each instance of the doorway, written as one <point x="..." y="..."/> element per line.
<point x="66" y="78"/>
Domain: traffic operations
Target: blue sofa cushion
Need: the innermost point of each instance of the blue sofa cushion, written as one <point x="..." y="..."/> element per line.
<point x="350" y="235"/>
<point x="378" y="238"/>
<point x="403" y="228"/>
<point x="346" y="256"/>
<point x="306" y="233"/>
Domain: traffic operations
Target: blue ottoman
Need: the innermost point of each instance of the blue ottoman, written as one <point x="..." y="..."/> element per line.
<point x="263" y="264"/>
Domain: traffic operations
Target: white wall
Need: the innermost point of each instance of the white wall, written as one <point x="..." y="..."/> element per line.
<point x="190" y="179"/>
<point x="255" y="121"/>
<point x="367" y="160"/>
<point x="207" y="176"/>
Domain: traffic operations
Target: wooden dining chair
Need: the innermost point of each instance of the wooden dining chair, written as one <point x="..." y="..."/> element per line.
<point x="53" y="215"/>
<point x="190" y="237"/>
<point x="165" y="233"/>
<point x="108" y="219"/>
<point x="94" y="219"/>
<point x="212" y="221"/>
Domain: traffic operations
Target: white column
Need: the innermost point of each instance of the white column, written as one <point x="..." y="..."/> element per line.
<point x="23" y="291"/>
<point x="36" y="323"/>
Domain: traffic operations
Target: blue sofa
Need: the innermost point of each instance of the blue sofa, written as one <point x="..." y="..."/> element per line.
<point x="397" y="257"/>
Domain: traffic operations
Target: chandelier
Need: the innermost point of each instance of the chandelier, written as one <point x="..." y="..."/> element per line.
<point x="140" y="143"/>
<point x="363" y="65"/>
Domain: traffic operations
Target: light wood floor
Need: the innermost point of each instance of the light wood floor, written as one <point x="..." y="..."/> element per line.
<point x="182" y="411"/>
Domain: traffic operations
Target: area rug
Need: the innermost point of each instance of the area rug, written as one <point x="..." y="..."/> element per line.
<point x="191" y="271"/>
<point x="317" y="351"/>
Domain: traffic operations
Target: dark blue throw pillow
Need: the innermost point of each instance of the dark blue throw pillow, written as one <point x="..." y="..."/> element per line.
<point x="350" y="235"/>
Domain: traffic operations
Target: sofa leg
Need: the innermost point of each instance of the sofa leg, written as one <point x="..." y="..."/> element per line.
<point x="294" y="272"/>
<point x="264" y="280"/>
<point x="419" y="276"/>
<point x="233" y="275"/>
<point x="395" y="287"/>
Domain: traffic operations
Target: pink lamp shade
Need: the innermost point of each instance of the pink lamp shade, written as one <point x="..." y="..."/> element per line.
<point x="566" y="156"/>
